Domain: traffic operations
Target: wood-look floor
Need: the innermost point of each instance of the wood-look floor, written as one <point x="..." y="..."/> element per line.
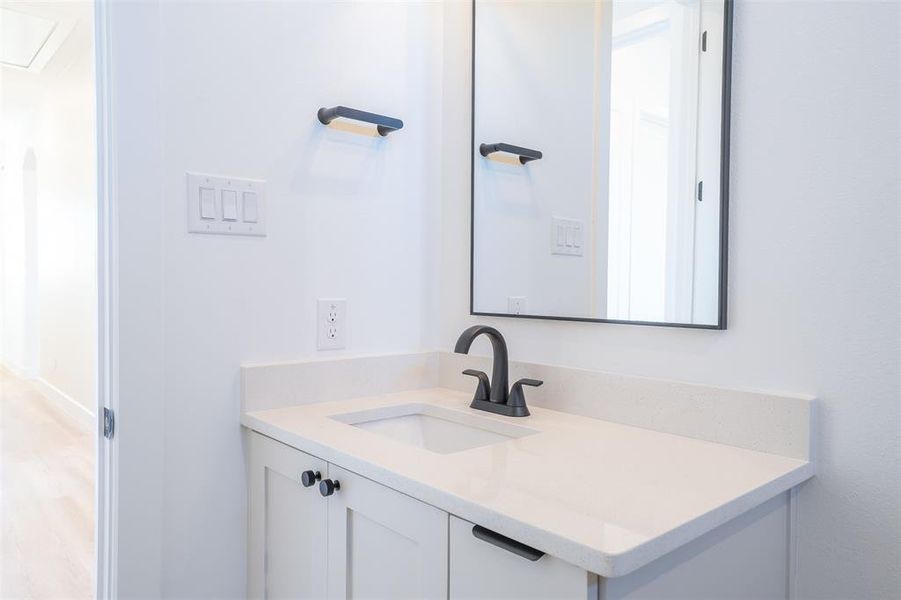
<point x="46" y="497"/>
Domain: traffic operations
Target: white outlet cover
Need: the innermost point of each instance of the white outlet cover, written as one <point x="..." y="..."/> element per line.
<point x="516" y="305"/>
<point x="331" y="323"/>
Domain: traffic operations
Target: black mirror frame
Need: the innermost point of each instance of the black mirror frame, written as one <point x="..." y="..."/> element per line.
<point x="724" y="193"/>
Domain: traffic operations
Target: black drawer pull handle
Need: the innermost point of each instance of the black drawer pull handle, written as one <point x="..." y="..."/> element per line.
<point x="510" y="545"/>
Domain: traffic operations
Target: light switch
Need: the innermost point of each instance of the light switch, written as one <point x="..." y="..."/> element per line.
<point x="250" y="214"/>
<point x="207" y="203"/>
<point x="567" y="236"/>
<point x="226" y="205"/>
<point x="229" y="205"/>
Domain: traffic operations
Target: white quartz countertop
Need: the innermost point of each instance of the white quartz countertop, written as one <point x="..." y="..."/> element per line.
<point x="609" y="498"/>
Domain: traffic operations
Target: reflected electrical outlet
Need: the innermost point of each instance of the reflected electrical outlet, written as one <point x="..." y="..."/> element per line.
<point x="516" y="305"/>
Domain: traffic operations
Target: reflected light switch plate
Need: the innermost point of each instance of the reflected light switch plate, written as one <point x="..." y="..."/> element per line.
<point x="561" y="233"/>
<point x="567" y="236"/>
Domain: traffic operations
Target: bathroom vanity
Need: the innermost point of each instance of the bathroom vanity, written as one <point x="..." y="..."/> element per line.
<point x="406" y="492"/>
<point x="388" y="477"/>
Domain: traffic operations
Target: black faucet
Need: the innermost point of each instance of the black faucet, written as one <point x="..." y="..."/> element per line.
<point x="493" y="396"/>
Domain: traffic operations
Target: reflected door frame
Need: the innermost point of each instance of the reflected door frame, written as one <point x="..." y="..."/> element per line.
<point x="680" y="23"/>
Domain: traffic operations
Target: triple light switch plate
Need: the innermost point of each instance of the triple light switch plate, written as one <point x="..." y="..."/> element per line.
<point x="226" y="205"/>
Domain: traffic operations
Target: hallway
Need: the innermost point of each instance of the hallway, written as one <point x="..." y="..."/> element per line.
<point x="46" y="497"/>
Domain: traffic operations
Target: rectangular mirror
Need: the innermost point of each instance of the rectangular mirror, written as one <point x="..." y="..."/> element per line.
<point x="600" y="160"/>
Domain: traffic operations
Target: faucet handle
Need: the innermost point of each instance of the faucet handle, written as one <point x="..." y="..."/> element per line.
<point x="482" y="390"/>
<point x="518" y="398"/>
<point x="527" y="381"/>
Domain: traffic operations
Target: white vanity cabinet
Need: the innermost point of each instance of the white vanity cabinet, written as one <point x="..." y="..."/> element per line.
<point x="288" y="527"/>
<point x="363" y="541"/>
<point x="369" y="541"/>
<point x="383" y="544"/>
<point x="482" y="570"/>
<point x="366" y="540"/>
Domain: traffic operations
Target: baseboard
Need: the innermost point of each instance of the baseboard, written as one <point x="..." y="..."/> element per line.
<point x="65" y="402"/>
<point x="17" y="370"/>
<point x="793" y="526"/>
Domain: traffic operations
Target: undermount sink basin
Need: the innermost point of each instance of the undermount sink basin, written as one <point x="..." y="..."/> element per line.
<point x="433" y="428"/>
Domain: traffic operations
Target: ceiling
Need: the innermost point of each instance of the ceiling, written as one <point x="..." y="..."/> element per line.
<point x="31" y="33"/>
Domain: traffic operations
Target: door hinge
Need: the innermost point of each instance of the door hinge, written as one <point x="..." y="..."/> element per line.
<point x="700" y="191"/>
<point x="109" y="423"/>
<point x="704" y="42"/>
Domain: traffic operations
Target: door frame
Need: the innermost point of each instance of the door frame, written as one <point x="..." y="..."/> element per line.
<point x="106" y="490"/>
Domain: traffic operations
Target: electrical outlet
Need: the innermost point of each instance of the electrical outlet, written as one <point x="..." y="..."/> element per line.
<point x="516" y="305"/>
<point x="331" y="327"/>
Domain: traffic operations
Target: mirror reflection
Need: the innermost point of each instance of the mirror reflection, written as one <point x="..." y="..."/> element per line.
<point x="597" y="160"/>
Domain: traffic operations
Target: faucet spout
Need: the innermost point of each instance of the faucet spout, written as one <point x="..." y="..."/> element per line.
<point x="498" y="391"/>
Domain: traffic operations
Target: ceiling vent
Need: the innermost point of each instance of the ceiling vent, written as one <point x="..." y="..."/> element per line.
<point x="29" y="41"/>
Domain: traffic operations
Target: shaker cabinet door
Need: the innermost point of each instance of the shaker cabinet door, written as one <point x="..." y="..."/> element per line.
<point x="382" y="543"/>
<point x="287" y="531"/>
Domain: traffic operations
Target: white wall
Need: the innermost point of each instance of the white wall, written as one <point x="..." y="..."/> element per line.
<point x="520" y="51"/>
<point x="131" y="90"/>
<point x="814" y="261"/>
<point x="18" y="254"/>
<point x="814" y="270"/>
<point x="350" y="216"/>
<point x="49" y="215"/>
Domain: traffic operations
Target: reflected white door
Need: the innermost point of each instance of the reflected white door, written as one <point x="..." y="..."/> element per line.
<point x="653" y="140"/>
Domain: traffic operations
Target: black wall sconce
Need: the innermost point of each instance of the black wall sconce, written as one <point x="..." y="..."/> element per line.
<point x="384" y="125"/>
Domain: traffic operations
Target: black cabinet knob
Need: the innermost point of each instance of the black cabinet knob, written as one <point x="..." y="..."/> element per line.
<point x="327" y="487"/>
<point x="309" y="478"/>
